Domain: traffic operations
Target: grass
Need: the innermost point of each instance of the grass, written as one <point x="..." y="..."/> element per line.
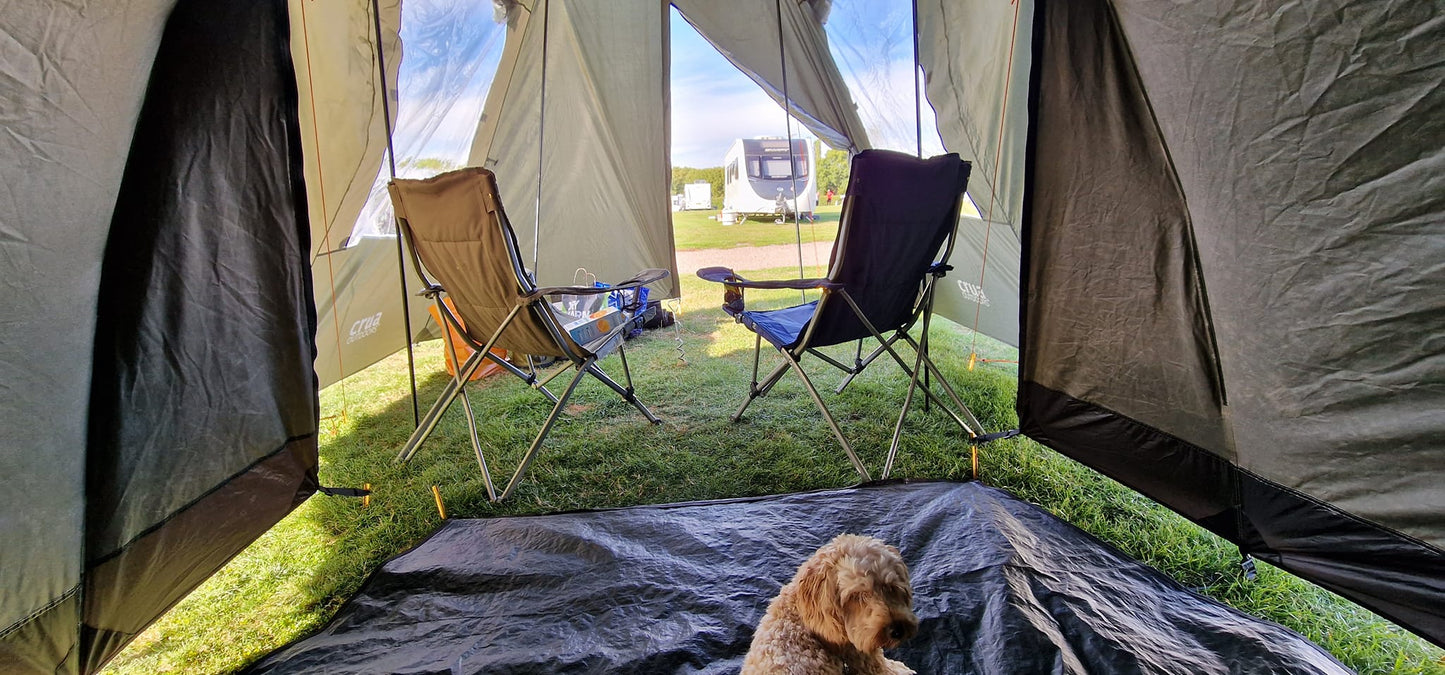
<point x="604" y="455"/>
<point x="695" y="231"/>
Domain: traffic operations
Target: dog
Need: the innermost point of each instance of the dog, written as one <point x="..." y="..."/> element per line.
<point x="847" y="603"/>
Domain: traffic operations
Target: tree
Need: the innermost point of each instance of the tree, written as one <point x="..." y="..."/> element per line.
<point x="833" y="171"/>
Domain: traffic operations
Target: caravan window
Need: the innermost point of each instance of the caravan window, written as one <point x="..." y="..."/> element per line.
<point x="777" y="168"/>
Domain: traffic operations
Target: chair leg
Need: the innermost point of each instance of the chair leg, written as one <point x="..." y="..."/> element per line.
<point x="862" y="363"/>
<point x="973" y="426"/>
<point x="449" y="394"/>
<point x="529" y="376"/>
<point x="852" y="456"/>
<point x="976" y="429"/>
<point x="546" y="427"/>
<point x="907" y="403"/>
<point x="434" y="415"/>
<point x="755" y="391"/>
<point x="627" y="393"/>
<point x="467" y="403"/>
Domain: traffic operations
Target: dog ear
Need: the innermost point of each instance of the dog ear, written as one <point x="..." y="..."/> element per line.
<point x="818" y="603"/>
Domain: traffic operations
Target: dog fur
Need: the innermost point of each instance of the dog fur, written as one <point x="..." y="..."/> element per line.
<point x="848" y="602"/>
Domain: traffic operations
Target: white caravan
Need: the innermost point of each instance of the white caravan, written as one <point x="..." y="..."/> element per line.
<point x="697" y="196"/>
<point x="760" y="179"/>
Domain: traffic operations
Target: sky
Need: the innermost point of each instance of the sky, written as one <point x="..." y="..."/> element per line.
<point x="714" y="103"/>
<point x="452" y="48"/>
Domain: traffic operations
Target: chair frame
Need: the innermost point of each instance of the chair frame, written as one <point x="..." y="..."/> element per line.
<point x="922" y="365"/>
<point x="530" y="298"/>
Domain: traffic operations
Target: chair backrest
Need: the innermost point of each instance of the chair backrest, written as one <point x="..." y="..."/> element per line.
<point x="898" y="219"/>
<point x="460" y="236"/>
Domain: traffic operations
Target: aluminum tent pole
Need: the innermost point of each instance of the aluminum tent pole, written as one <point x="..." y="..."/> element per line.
<point x="400" y="255"/>
<point x="541" y="136"/>
<point x="917" y="98"/>
<point x="918" y="134"/>
<point x="788" y="125"/>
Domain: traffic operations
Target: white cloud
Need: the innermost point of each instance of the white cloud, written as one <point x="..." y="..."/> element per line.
<point x="707" y="118"/>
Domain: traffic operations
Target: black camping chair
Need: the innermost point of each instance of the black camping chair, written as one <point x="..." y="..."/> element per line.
<point x="894" y="239"/>
<point x="458" y="232"/>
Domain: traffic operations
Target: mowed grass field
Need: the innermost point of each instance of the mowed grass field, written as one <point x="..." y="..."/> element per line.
<point x="699" y="230"/>
<point x="603" y="454"/>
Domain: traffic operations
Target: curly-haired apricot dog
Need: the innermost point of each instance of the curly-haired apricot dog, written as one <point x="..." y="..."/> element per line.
<point x="847" y="603"/>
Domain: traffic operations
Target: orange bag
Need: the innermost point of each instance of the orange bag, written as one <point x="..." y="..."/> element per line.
<point x="464" y="350"/>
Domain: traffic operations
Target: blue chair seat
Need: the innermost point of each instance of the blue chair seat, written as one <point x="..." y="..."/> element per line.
<point x="780" y="327"/>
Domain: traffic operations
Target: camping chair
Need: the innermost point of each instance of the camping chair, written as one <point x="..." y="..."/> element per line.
<point x="463" y="247"/>
<point x="899" y="213"/>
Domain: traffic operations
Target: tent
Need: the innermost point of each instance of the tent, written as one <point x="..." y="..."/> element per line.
<point x="1213" y="229"/>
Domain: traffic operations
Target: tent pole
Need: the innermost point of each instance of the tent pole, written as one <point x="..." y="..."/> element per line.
<point x="918" y="134"/>
<point x="917" y="98"/>
<point x="541" y="136"/>
<point x="400" y="255"/>
<point x="788" y="125"/>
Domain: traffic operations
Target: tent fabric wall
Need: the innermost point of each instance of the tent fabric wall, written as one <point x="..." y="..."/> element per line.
<point x="604" y="175"/>
<point x="343" y="134"/>
<point x="982" y="291"/>
<point x="1227" y="238"/>
<point x="72" y="84"/>
<point x="360" y="315"/>
<point x="1227" y="264"/>
<point x="203" y="410"/>
<point x="186" y="279"/>
<point x="747" y="34"/>
<point x="978" y="87"/>
<point x="343" y="129"/>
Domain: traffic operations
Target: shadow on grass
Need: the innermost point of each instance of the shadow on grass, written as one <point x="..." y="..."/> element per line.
<point x="602" y="454"/>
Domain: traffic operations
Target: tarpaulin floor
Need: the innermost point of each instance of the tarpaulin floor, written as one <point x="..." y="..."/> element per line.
<point x="1000" y="586"/>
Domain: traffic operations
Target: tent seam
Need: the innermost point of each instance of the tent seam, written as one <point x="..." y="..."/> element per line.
<point x="192" y="503"/>
<point x="1231" y="466"/>
<point x="33" y="616"/>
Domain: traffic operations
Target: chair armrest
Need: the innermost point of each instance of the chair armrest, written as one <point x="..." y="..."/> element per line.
<point x="724" y="275"/>
<point x="642" y="278"/>
<point x="734" y="285"/>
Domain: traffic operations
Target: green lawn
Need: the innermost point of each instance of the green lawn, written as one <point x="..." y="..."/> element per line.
<point x="696" y="230"/>
<point x="604" y="455"/>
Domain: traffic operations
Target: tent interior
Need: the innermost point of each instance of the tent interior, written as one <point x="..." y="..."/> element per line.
<point x="1212" y="230"/>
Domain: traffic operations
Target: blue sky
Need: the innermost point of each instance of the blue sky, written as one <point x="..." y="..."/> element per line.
<point x="713" y="103"/>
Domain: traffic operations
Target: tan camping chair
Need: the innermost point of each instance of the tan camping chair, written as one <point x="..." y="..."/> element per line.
<point x="463" y="247"/>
